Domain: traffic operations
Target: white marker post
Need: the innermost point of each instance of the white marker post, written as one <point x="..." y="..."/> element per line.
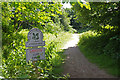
<point x="35" y="39"/>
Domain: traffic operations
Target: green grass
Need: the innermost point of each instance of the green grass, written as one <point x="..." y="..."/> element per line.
<point x="58" y="62"/>
<point x="92" y="45"/>
<point x="102" y="61"/>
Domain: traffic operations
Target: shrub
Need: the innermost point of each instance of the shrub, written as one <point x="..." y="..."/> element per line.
<point x="15" y="66"/>
<point x="101" y="43"/>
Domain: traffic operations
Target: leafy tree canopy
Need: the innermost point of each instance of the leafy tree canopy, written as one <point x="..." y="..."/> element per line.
<point x="98" y="14"/>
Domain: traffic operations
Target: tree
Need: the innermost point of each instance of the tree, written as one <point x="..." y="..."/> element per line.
<point x="104" y="18"/>
<point x="98" y="14"/>
<point x="73" y="22"/>
<point x="65" y="20"/>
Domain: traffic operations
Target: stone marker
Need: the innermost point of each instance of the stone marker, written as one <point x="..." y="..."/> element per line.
<point x="35" y="39"/>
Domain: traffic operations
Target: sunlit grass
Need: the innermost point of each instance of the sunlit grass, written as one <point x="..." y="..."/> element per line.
<point x="102" y="61"/>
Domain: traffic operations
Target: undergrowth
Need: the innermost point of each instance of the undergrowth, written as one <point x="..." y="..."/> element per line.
<point x="15" y="65"/>
<point x="0" y="62"/>
<point x="101" y="49"/>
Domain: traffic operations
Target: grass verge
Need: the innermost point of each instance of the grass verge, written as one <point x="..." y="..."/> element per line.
<point x="102" y="61"/>
<point x="92" y="46"/>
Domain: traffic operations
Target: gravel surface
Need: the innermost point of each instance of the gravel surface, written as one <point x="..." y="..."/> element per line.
<point x="77" y="65"/>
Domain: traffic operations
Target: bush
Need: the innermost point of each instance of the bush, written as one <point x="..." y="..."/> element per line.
<point x="15" y="65"/>
<point x="101" y="43"/>
<point x="113" y="48"/>
<point x="102" y="49"/>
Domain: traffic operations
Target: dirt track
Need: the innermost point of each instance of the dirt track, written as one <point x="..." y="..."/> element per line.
<point x="77" y="65"/>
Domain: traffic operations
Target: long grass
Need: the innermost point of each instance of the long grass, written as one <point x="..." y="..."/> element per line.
<point x="92" y="46"/>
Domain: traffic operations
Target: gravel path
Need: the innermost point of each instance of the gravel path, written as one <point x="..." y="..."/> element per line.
<point x="77" y="65"/>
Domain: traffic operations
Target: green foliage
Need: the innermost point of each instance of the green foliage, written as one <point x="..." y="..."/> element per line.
<point x="15" y="66"/>
<point x="103" y="17"/>
<point x="7" y="40"/>
<point x="82" y="15"/>
<point x="56" y="27"/>
<point x="102" y="61"/>
<point x="17" y="19"/>
<point x="113" y="48"/>
<point x="21" y="15"/>
<point x="100" y="47"/>
<point x="103" y="38"/>
<point x="83" y="29"/>
<point x="73" y="22"/>
<point x="98" y="14"/>
<point x="104" y="43"/>
<point x="65" y="21"/>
